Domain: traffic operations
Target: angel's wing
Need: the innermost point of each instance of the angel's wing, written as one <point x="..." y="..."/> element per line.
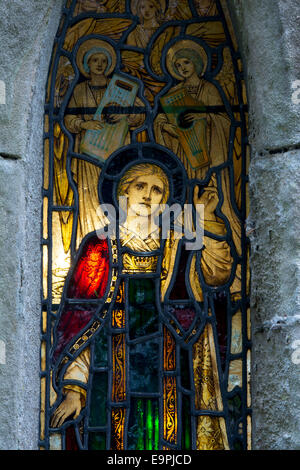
<point x="227" y="80"/>
<point x="63" y="194"/>
<point x="133" y="63"/>
<point x="110" y="27"/>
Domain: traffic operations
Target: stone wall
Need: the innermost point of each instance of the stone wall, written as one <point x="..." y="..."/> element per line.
<point x="269" y="38"/>
<point x="27" y="30"/>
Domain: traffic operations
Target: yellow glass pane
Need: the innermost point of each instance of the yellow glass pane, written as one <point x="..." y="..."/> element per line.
<point x="43" y="406"/>
<point x="45" y="271"/>
<point x="249" y="324"/>
<point x="46" y="164"/>
<point x="61" y="261"/>
<point x="248" y="379"/>
<point x="244" y="92"/>
<point x="43" y="356"/>
<point x="45" y="218"/>
<point x="249" y="433"/>
<point x="212" y="32"/>
<point x="46" y="124"/>
<point x="44" y="322"/>
<point x="229" y="23"/>
<point x="53" y="395"/>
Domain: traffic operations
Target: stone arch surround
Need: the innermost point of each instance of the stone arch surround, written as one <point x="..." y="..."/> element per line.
<point x="269" y="39"/>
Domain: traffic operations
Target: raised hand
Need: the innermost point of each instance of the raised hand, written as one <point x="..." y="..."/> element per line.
<point x="209" y="198"/>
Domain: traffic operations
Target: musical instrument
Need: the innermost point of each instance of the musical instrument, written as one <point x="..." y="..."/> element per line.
<point x="121" y="92"/>
<point x="191" y="134"/>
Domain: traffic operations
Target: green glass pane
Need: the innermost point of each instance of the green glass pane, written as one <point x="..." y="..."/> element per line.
<point x="143" y="429"/>
<point x="144" y="364"/>
<point x="186" y="424"/>
<point x="185" y="370"/>
<point x="141" y="291"/>
<point x="97" y="441"/>
<point x="98" y="400"/>
<point x="143" y="318"/>
<point x="100" y="353"/>
<point x="235" y="413"/>
<point x="135" y="436"/>
<point x="149" y="425"/>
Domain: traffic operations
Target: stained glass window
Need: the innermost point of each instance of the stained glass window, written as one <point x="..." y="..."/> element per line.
<point x="145" y="330"/>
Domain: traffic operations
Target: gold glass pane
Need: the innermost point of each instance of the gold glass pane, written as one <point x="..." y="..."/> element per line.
<point x="44" y="321"/>
<point x="46" y="164"/>
<point x="43" y="356"/>
<point x="249" y="433"/>
<point x="248" y="379"/>
<point x="236" y="334"/>
<point x="45" y="218"/>
<point x="46" y="124"/>
<point x="45" y="272"/>
<point x="61" y="261"/>
<point x="42" y="409"/>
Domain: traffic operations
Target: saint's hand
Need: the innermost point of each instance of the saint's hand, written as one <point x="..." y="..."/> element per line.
<point x="191" y="117"/>
<point x="171" y="129"/>
<point x="114" y="118"/>
<point x="209" y="198"/>
<point x="70" y="405"/>
<point x="91" y="125"/>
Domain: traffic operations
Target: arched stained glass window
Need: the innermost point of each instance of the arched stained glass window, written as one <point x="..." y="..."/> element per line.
<point x="145" y="327"/>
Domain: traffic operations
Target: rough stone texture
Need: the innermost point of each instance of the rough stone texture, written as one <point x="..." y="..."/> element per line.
<point x="268" y="36"/>
<point x="25" y="48"/>
<point x="27" y="31"/>
<point x="11" y="204"/>
<point x="275" y="262"/>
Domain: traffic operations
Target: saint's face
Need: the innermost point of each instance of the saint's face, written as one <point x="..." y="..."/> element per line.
<point x="147" y="10"/>
<point x="185" y="67"/>
<point x="98" y="64"/>
<point x="144" y="195"/>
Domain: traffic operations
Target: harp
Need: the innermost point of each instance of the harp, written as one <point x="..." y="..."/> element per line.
<point x="100" y="144"/>
<point x="191" y="135"/>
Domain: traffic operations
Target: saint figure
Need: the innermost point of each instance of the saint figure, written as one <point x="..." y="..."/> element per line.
<point x="120" y="340"/>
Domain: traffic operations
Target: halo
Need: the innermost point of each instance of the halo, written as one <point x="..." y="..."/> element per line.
<point x="134" y="154"/>
<point x="184" y="44"/>
<point x="134" y="5"/>
<point x="90" y="44"/>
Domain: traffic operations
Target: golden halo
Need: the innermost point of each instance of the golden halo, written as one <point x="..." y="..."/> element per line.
<point x="90" y="44"/>
<point x="134" y="5"/>
<point x="184" y="44"/>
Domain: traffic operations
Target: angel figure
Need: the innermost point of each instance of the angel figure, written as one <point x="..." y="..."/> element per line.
<point x="150" y="13"/>
<point x="96" y="60"/>
<point x="99" y="6"/>
<point x="116" y="358"/>
<point x="199" y="138"/>
<point x="206" y="7"/>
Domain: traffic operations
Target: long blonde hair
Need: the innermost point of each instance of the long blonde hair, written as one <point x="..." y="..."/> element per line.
<point x="143" y="169"/>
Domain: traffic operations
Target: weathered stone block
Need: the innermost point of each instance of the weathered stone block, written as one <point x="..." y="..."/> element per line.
<point x="268" y="35"/>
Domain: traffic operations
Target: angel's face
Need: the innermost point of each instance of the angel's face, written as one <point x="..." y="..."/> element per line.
<point x="185" y="67"/>
<point x="147" y="10"/>
<point x="97" y="64"/>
